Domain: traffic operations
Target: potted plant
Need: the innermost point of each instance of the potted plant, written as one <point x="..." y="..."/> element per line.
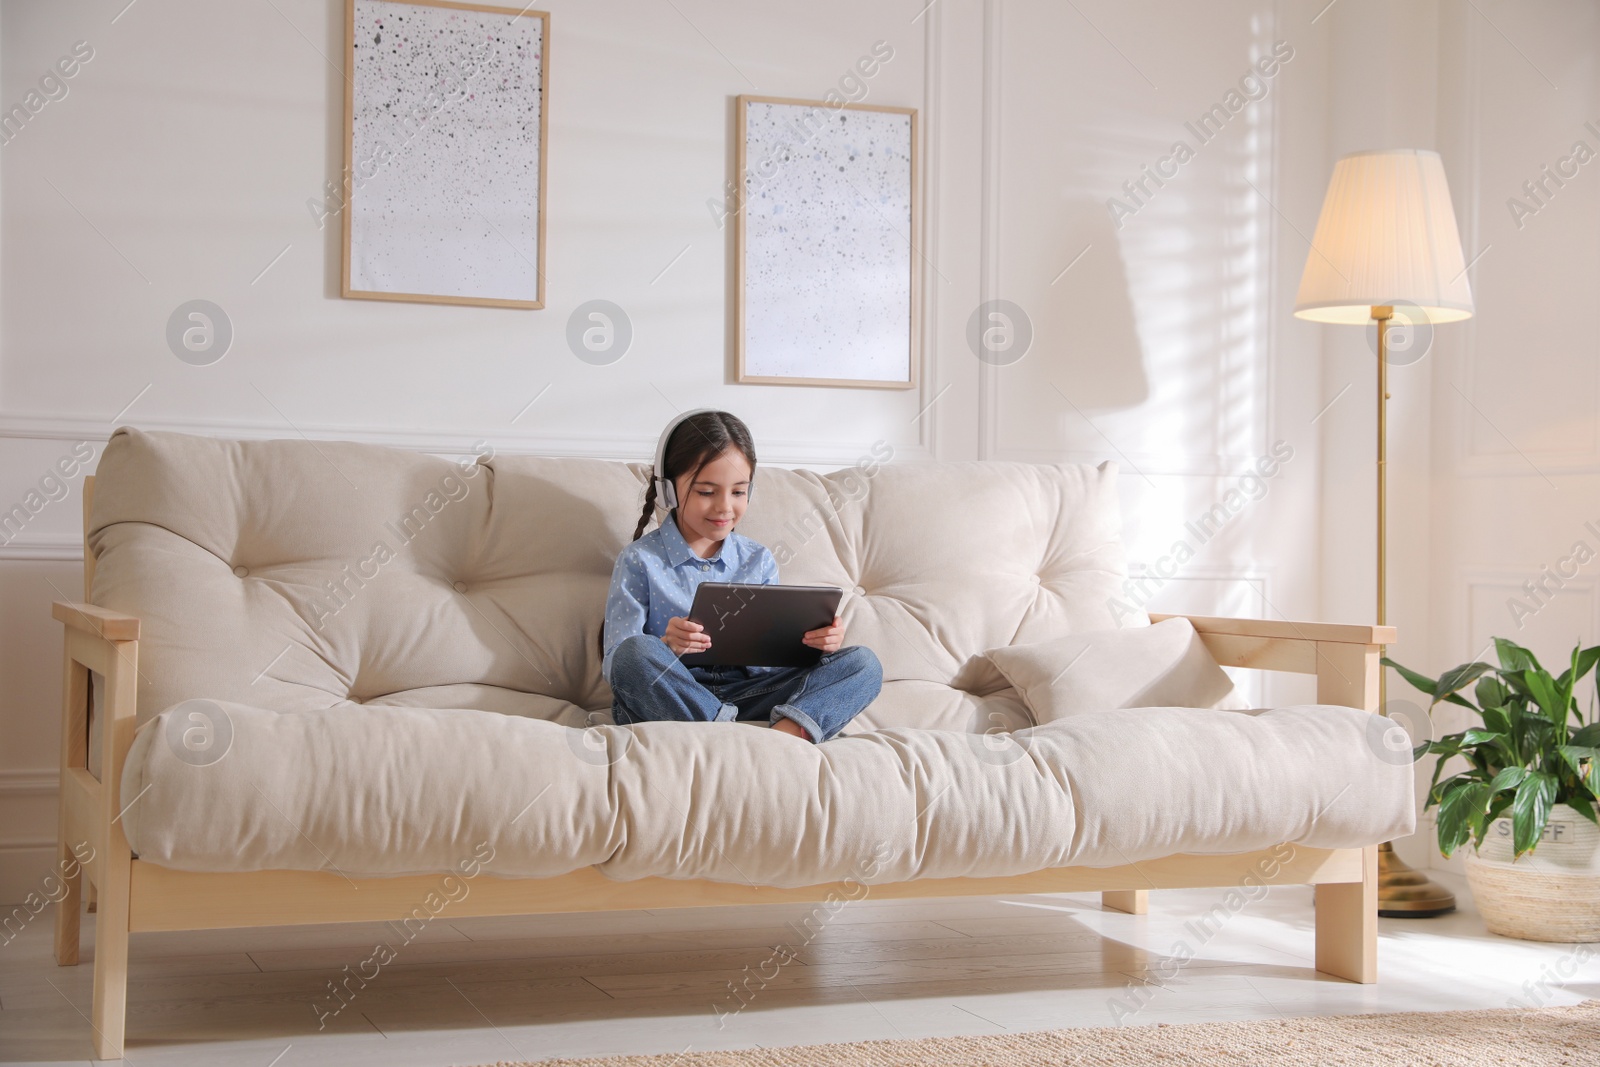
<point x="1531" y="755"/>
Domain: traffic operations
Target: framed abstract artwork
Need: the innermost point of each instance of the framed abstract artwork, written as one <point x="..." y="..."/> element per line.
<point x="446" y="128"/>
<point x="829" y="285"/>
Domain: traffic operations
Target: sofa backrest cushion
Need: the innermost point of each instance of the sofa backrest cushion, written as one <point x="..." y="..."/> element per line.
<point x="299" y="575"/>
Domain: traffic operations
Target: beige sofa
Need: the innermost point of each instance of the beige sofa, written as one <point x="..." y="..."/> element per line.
<point x="306" y="667"/>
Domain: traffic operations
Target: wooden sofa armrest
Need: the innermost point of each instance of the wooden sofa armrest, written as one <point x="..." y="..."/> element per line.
<point x="1342" y="656"/>
<point x="1343" y="633"/>
<point x="102" y="652"/>
<point x="102" y="622"/>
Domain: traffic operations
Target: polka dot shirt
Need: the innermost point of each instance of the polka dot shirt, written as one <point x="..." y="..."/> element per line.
<point x="656" y="576"/>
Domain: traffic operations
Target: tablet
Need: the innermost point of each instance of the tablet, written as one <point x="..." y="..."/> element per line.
<point x="756" y="625"/>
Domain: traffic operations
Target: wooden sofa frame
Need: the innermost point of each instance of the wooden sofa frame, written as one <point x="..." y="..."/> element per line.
<point x="132" y="895"/>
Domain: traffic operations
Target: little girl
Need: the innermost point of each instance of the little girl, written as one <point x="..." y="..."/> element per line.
<point x="704" y="468"/>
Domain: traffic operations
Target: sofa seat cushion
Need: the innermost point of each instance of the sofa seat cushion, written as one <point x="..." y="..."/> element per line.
<point x="488" y="698"/>
<point x="386" y="790"/>
<point x="905" y="702"/>
<point x="936" y="706"/>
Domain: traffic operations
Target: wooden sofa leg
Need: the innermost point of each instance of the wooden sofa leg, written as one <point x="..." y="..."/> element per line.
<point x="108" y="1016"/>
<point x="1347" y="924"/>
<point x="69" y="909"/>
<point x="1132" y="901"/>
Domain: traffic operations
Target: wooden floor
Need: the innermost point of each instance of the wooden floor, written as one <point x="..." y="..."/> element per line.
<point x="475" y="991"/>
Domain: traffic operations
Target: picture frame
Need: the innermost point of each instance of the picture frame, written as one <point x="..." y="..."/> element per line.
<point x="446" y="153"/>
<point x="813" y="308"/>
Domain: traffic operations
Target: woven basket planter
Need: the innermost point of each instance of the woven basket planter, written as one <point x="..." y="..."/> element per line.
<point x="1550" y="894"/>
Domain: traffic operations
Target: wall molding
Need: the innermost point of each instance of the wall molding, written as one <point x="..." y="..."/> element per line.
<point x="1470" y="463"/>
<point x="1133" y="464"/>
<point x="29" y="782"/>
<point x="1512" y="465"/>
<point x="443" y="441"/>
<point x="1506" y="583"/>
<point x="989" y="220"/>
<point x="927" y="245"/>
<point x="62" y="548"/>
<point x="23" y="785"/>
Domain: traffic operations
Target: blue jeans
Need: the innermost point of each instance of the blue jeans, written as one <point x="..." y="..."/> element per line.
<point x="650" y="683"/>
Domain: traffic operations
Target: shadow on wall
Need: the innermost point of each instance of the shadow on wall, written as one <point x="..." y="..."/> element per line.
<point x="1091" y="314"/>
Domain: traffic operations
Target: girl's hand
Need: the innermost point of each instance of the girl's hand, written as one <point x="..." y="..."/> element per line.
<point x="684" y="636"/>
<point x="829" y="638"/>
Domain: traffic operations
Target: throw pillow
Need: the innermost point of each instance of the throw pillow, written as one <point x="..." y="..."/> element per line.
<point x="1165" y="665"/>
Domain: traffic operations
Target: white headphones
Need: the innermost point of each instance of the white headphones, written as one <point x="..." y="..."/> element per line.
<point x="664" y="487"/>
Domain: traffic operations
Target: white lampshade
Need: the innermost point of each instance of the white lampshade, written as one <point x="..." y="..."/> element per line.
<point x="1387" y="235"/>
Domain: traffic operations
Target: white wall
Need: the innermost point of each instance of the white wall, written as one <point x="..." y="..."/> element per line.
<point x="1495" y="434"/>
<point x="180" y="164"/>
<point x="1516" y="390"/>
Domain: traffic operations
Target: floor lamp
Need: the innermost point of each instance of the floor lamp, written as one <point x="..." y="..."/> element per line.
<point x="1386" y="249"/>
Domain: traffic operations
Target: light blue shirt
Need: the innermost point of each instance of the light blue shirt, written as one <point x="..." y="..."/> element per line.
<point x="656" y="576"/>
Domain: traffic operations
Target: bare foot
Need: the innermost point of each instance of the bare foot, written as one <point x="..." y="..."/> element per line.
<point x="789" y="726"/>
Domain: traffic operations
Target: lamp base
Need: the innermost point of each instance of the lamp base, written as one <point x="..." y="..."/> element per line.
<point x="1405" y="893"/>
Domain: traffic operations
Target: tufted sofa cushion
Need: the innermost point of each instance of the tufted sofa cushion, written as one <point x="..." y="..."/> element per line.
<point x="303" y="576"/>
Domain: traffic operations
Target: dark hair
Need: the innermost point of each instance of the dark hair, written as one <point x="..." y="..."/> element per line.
<point x="696" y="441"/>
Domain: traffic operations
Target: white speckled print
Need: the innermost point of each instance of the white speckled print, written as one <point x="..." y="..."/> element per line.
<point x="455" y="96"/>
<point x="827" y="244"/>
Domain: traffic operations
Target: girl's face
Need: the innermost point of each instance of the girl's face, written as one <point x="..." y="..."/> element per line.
<point x="712" y="504"/>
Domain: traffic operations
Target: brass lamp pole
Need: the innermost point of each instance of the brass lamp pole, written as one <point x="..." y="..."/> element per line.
<point x="1403" y="892"/>
<point x="1381" y="314"/>
<point x="1387" y="235"/>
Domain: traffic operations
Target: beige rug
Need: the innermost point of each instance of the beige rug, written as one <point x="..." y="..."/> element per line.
<point x="1494" y="1038"/>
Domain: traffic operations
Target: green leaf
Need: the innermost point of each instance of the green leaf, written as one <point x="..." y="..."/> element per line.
<point x="1585" y="764"/>
<point x="1564" y="686"/>
<point x="1491" y="693"/>
<point x="1444" y="748"/>
<point x="1518" y="688"/>
<point x="1533" y="735"/>
<point x="1440" y="790"/>
<point x="1588" y="735"/>
<point x="1458" y="811"/>
<point x="1543" y="688"/>
<point x="1479" y="746"/>
<point x="1459" y="678"/>
<point x="1478" y="813"/>
<point x="1582" y="663"/>
<point x="1480" y="737"/>
<point x="1496" y="718"/>
<point x="1509" y="778"/>
<point x="1531" y="811"/>
<point x="1433" y="786"/>
<point x="1418" y="681"/>
<point x="1584" y="808"/>
<point x="1497" y="808"/>
<point x="1513" y="657"/>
